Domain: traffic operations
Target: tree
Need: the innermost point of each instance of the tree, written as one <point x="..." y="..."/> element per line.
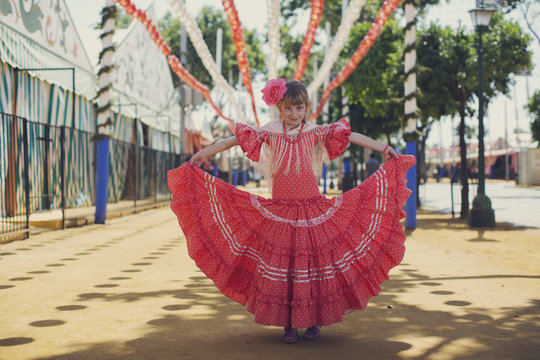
<point x="375" y="88"/>
<point x="529" y="10"/>
<point x="534" y="109"/>
<point x="121" y="21"/>
<point x="506" y="52"/>
<point x="432" y="96"/>
<point x="209" y="20"/>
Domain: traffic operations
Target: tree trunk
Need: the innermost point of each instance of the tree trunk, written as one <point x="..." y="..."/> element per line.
<point x="421" y="162"/>
<point x="464" y="171"/>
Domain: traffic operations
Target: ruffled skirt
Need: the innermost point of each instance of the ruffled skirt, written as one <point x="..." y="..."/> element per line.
<point x="294" y="263"/>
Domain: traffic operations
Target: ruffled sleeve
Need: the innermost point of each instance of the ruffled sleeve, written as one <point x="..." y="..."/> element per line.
<point x="337" y="138"/>
<point x="250" y="140"/>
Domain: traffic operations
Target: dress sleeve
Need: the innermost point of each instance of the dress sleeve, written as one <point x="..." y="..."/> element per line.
<point x="337" y="138"/>
<point x="250" y="140"/>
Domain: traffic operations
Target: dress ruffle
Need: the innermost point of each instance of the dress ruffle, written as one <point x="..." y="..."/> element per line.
<point x="250" y="140"/>
<point x="337" y="138"/>
<point x="310" y="260"/>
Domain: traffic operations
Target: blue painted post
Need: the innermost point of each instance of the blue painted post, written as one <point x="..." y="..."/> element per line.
<point x="244" y="177"/>
<point x="215" y="170"/>
<point x="324" y="171"/>
<point x="102" y="180"/>
<point x="346" y="166"/>
<point x="410" y="204"/>
<point x="235" y="177"/>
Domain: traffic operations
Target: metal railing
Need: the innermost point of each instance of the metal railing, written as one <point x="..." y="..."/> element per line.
<point x="47" y="177"/>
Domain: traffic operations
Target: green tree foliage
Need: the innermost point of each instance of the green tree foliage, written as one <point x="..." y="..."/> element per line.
<point x="534" y="110"/>
<point x="375" y="88"/>
<point x="122" y="20"/>
<point x="449" y="59"/>
<point x="209" y="20"/>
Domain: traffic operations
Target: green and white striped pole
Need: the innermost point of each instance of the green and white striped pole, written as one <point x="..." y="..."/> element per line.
<point x="104" y="119"/>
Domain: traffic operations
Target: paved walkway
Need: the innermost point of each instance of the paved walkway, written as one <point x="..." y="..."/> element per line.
<point x="512" y="204"/>
<point x="128" y="290"/>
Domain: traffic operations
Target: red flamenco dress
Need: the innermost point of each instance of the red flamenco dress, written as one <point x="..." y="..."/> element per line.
<point x="298" y="259"/>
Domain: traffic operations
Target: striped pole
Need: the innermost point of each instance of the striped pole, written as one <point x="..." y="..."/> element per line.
<point x="104" y="119"/>
<point x="410" y="134"/>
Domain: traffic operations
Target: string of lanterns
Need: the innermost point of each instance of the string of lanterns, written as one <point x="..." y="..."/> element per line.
<point x="385" y="11"/>
<point x="240" y="46"/>
<point x="195" y="35"/>
<point x="173" y="61"/>
<point x="314" y="20"/>
<point x="340" y="39"/>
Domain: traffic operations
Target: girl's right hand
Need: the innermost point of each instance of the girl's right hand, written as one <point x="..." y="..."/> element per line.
<point x="198" y="158"/>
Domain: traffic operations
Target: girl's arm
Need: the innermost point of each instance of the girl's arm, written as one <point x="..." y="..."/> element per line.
<point x="219" y="146"/>
<point x="364" y="141"/>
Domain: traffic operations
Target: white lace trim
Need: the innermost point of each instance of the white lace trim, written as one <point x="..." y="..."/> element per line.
<point x="338" y="200"/>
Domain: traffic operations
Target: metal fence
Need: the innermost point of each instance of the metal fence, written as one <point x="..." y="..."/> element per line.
<point x="47" y="177"/>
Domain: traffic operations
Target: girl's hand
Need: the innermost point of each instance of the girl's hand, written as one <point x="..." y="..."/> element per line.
<point x="389" y="153"/>
<point x="198" y="158"/>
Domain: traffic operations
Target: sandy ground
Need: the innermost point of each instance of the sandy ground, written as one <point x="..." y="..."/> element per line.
<point x="128" y="290"/>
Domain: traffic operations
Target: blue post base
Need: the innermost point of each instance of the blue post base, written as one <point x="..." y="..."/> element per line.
<point x="235" y="177"/>
<point x="244" y="177"/>
<point x="102" y="180"/>
<point x="410" y="204"/>
<point x="215" y="170"/>
<point x="324" y="171"/>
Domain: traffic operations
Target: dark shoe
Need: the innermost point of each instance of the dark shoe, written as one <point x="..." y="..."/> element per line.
<point x="312" y="333"/>
<point x="290" y="336"/>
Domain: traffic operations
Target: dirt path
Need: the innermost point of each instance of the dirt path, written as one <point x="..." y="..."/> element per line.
<point x="128" y="290"/>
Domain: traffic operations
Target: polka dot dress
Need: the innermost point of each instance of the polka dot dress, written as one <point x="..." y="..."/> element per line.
<point x="298" y="259"/>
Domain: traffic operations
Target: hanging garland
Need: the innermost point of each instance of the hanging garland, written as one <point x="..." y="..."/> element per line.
<point x="387" y="8"/>
<point x="341" y="38"/>
<point x="314" y="20"/>
<point x="240" y="46"/>
<point x="195" y="35"/>
<point x="273" y="11"/>
<point x="173" y="61"/>
<point x="182" y="73"/>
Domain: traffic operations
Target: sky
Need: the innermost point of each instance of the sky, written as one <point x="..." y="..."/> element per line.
<point x="253" y="15"/>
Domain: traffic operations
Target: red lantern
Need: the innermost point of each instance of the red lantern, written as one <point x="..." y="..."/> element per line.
<point x="125" y="3"/>
<point x="130" y="9"/>
<point x="165" y="49"/>
<point x="142" y="17"/>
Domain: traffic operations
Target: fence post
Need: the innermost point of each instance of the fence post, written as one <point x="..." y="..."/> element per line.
<point x="135" y="153"/>
<point x="63" y="173"/>
<point x="155" y="175"/>
<point x="26" y="176"/>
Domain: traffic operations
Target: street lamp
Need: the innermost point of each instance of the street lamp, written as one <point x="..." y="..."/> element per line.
<point x="481" y="214"/>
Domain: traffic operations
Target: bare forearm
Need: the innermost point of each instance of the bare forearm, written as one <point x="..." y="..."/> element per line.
<point x="364" y="141"/>
<point x="221" y="145"/>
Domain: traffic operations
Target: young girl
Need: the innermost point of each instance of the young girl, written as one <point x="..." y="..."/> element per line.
<point x="298" y="260"/>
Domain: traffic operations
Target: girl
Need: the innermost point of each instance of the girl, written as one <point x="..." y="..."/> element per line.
<point x="298" y="260"/>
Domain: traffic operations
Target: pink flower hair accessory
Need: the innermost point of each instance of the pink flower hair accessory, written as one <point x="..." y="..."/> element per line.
<point x="274" y="91"/>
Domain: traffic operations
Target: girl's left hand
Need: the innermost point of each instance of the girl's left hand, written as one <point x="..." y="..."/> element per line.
<point x="389" y="153"/>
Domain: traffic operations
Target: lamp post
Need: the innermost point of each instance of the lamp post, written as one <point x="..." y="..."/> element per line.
<point x="481" y="214"/>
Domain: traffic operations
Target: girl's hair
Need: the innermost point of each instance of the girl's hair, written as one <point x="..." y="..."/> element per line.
<point x="296" y="94"/>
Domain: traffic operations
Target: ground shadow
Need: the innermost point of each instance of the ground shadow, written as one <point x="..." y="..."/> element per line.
<point x="225" y="330"/>
<point x="431" y="220"/>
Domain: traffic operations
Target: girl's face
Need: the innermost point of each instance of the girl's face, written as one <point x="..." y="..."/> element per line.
<point x="293" y="115"/>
